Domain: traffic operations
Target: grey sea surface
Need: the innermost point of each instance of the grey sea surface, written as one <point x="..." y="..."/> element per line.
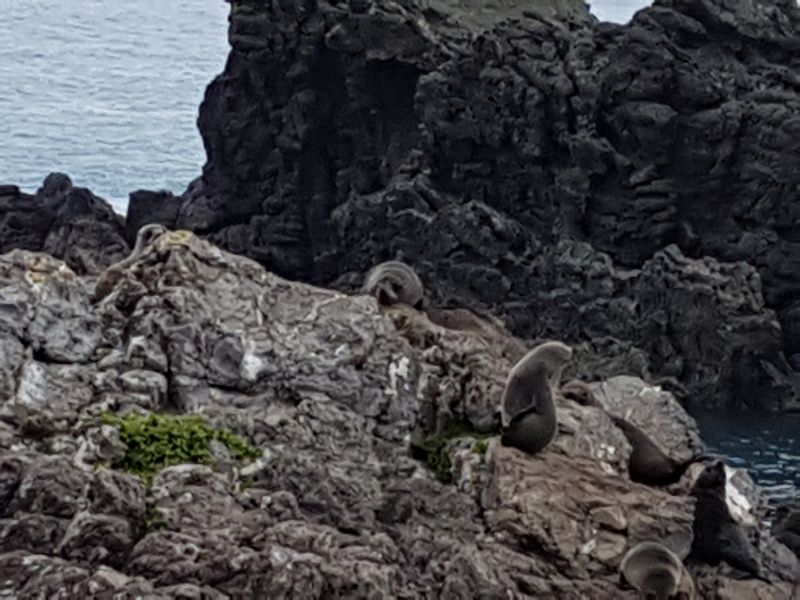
<point x="616" y="11"/>
<point x="107" y="91"/>
<point x="768" y="446"/>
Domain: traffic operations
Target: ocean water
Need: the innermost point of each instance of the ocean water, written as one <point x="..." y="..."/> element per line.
<point x="616" y="11"/>
<point x="768" y="446"/>
<point x="106" y="91"/>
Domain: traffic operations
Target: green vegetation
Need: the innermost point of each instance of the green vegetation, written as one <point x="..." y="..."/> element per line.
<point x="156" y="441"/>
<point x="436" y="447"/>
<point x="480" y="447"/>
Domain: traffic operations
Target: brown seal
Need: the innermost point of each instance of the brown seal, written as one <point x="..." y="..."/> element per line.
<point x="484" y="325"/>
<point x="648" y="464"/>
<point x="516" y="397"/>
<point x="394" y="282"/>
<point x="528" y="407"/>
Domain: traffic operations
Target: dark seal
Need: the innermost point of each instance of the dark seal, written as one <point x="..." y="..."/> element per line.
<point x="717" y="536"/>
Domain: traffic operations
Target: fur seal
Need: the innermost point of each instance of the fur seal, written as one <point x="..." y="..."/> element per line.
<point x="392" y="282"/>
<point x="717" y="536"/>
<point x="517" y="397"/>
<point x="528" y="414"/>
<point x="533" y="428"/>
<point x="648" y="464"/>
<point x="653" y="569"/>
<point x="110" y="277"/>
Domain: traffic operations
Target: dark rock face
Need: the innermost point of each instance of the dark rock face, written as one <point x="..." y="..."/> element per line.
<point x="66" y="222"/>
<point x="150" y="207"/>
<point x="343" y="134"/>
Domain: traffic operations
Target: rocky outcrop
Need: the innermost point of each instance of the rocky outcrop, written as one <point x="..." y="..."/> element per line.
<point x="333" y="393"/>
<point x="630" y="189"/>
<point x="64" y="221"/>
<point x="469" y="142"/>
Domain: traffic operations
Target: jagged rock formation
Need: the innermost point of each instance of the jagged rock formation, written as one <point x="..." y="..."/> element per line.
<point x="332" y="391"/>
<point x="65" y="221"/>
<point x="626" y="187"/>
<point x="345" y="134"/>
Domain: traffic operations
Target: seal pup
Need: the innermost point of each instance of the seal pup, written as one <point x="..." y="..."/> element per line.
<point x="517" y="397"/>
<point x="528" y="418"/>
<point x="653" y="569"/>
<point x="146" y="235"/>
<point x="394" y="282"/>
<point x="717" y="536"/>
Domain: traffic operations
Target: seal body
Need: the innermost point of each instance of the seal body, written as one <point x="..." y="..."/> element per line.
<point x="548" y="360"/>
<point x="528" y="411"/>
<point x="485" y="325"/>
<point x="717" y="536"/>
<point x="648" y="464"/>
<point x="394" y="282"/>
<point x="533" y="428"/>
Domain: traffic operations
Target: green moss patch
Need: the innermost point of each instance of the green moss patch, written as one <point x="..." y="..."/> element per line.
<point x="480" y="447"/>
<point x="156" y="441"/>
<point x="437" y="448"/>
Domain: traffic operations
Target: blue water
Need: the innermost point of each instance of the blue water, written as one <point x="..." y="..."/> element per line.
<point x="106" y="90"/>
<point x="768" y="446"/>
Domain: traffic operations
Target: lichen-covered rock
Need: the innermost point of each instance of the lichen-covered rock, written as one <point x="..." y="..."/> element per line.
<point x="338" y="396"/>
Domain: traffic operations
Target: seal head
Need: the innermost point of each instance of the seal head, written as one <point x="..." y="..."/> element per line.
<point x="394" y="282"/>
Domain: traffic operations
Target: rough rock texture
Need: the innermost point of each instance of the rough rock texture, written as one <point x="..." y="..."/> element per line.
<point x="631" y="188"/>
<point x="333" y="392"/>
<point x="64" y="221"/>
<point x="470" y="141"/>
